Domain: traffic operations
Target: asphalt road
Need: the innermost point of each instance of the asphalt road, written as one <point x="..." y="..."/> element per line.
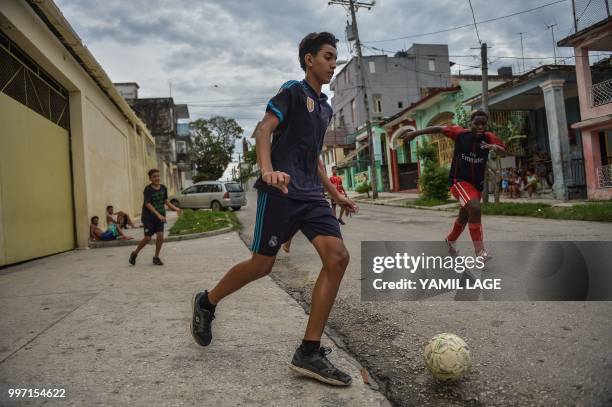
<point x="524" y="353"/>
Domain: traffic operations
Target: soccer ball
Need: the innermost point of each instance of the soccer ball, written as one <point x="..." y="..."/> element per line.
<point x="447" y="357"/>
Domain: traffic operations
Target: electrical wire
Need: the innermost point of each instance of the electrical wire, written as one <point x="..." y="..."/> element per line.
<point x="475" y="24"/>
<point x="467" y="25"/>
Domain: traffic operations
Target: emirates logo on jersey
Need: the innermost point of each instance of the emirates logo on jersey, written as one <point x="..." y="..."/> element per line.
<point x="472" y="158"/>
<point x="310" y="105"/>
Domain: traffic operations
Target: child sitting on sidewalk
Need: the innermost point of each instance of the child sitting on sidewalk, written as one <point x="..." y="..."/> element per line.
<point x="112" y="233"/>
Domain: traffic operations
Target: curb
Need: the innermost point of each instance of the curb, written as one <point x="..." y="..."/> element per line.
<point x="174" y="238"/>
<point x="428" y="208"/>
<point x="443" y="208"/>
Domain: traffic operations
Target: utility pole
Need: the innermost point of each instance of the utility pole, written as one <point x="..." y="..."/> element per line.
<point x="552" y="31"/>
<point x="240" y="169"/>
<point x="353" y="5"/>
<point x="484" y="64"/>
<point x="522" y="51"/>
<point x="485" y="77"/>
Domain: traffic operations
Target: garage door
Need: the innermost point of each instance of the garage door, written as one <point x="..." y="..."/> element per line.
<point x="36" y="211"/>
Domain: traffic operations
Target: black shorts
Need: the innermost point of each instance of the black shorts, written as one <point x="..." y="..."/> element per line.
<point x="152" y="226"/>
<point x="279" y="218"/>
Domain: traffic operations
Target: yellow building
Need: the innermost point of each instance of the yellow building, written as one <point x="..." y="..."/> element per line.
<point x="69" y="143"/>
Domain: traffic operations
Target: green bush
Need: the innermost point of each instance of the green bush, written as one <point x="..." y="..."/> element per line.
<point x="434" y="182"/>
<point x="364" y="187"/>
<point x="427" y="152"/>
<point x="434" y="178"/>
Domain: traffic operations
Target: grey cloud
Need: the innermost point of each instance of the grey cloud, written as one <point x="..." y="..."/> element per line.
<point x="248" y="48"/>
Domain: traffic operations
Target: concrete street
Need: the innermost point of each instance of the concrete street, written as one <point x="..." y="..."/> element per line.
<point x="111" y="334"/>
<point x="524" y="353"/>
<point x="115" y="335"/>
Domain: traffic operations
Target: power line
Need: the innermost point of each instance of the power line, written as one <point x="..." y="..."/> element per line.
<point x="491" y="56"/>
<point x="469" y="25"/>
<point x="475" y="25"/>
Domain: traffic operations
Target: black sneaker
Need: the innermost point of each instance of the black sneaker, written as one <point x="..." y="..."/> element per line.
<point x="340" y="221"/>
<point x="317" y="366"/>
<point x="157" y="261"/>
<point x="201" y="321"/>
<point x="132" y="259"/>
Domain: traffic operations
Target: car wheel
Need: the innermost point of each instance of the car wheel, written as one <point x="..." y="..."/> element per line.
<point x="175" y="203"/>
<point x="236" y="208"/>
<point x="216" y="206"/>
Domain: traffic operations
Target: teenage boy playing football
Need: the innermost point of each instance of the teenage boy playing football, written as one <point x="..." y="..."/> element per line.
<point x="290" y="198"/>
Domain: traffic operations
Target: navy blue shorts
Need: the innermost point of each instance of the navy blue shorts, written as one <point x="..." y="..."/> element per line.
<point x="152" y="226"/>
<point x="279" y="218"/>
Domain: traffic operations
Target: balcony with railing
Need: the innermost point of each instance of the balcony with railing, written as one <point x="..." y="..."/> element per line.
<point x="604" y="176"/>
<point x="335" y="136"/>
<point x="601" y="93"/>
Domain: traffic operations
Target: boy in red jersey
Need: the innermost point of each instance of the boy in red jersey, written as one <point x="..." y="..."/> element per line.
<point x="467" y="174"/>
<point x="337" y="181"/>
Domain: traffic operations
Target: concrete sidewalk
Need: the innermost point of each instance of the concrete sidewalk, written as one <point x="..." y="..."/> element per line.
<point x="111" y="334"/>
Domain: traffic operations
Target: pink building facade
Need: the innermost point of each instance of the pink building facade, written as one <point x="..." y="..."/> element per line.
<point x="595" y="103"/>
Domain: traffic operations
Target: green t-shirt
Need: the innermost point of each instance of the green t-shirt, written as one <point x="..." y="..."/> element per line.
<point x="157" y="198"/>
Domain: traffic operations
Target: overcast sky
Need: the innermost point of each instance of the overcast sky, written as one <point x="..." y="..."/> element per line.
<point x="228" y="57"/>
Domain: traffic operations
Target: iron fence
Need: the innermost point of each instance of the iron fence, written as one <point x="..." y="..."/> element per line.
<point x="589" y="12"/>
<point x="577" y="174"/>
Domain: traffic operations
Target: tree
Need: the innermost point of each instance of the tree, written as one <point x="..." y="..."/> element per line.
<point x="247" y="166"/>
<point x="212" y="145"/>
<point x="462" y="118"/>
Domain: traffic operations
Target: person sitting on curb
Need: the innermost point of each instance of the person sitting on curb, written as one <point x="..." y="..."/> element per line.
<point x="112" y="233"/>
<point x="121" y="219"/>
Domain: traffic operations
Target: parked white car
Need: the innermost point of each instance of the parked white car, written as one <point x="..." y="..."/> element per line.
<point x="216" y="195"/>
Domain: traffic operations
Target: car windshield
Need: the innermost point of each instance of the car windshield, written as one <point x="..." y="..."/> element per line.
<point x="233" y="187"/>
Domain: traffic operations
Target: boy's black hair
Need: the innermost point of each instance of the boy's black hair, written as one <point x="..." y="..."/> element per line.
<point x="312" y="43"/>
<point x="477" y="113"/>
<point x="108" y="206"/>
<point x="93" y="217"/>
<point x="153" y="171"/>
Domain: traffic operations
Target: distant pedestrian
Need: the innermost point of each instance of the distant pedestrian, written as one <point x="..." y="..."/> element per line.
<point x="514" y="184"/>
<point x="505" y="182"/>
<point x="154" y="216"/>
<point x="337" y="181"/>
<point x="531" y="183"/>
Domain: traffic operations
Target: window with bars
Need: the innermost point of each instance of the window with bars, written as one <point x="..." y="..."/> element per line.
<point x="23" y="80"/>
